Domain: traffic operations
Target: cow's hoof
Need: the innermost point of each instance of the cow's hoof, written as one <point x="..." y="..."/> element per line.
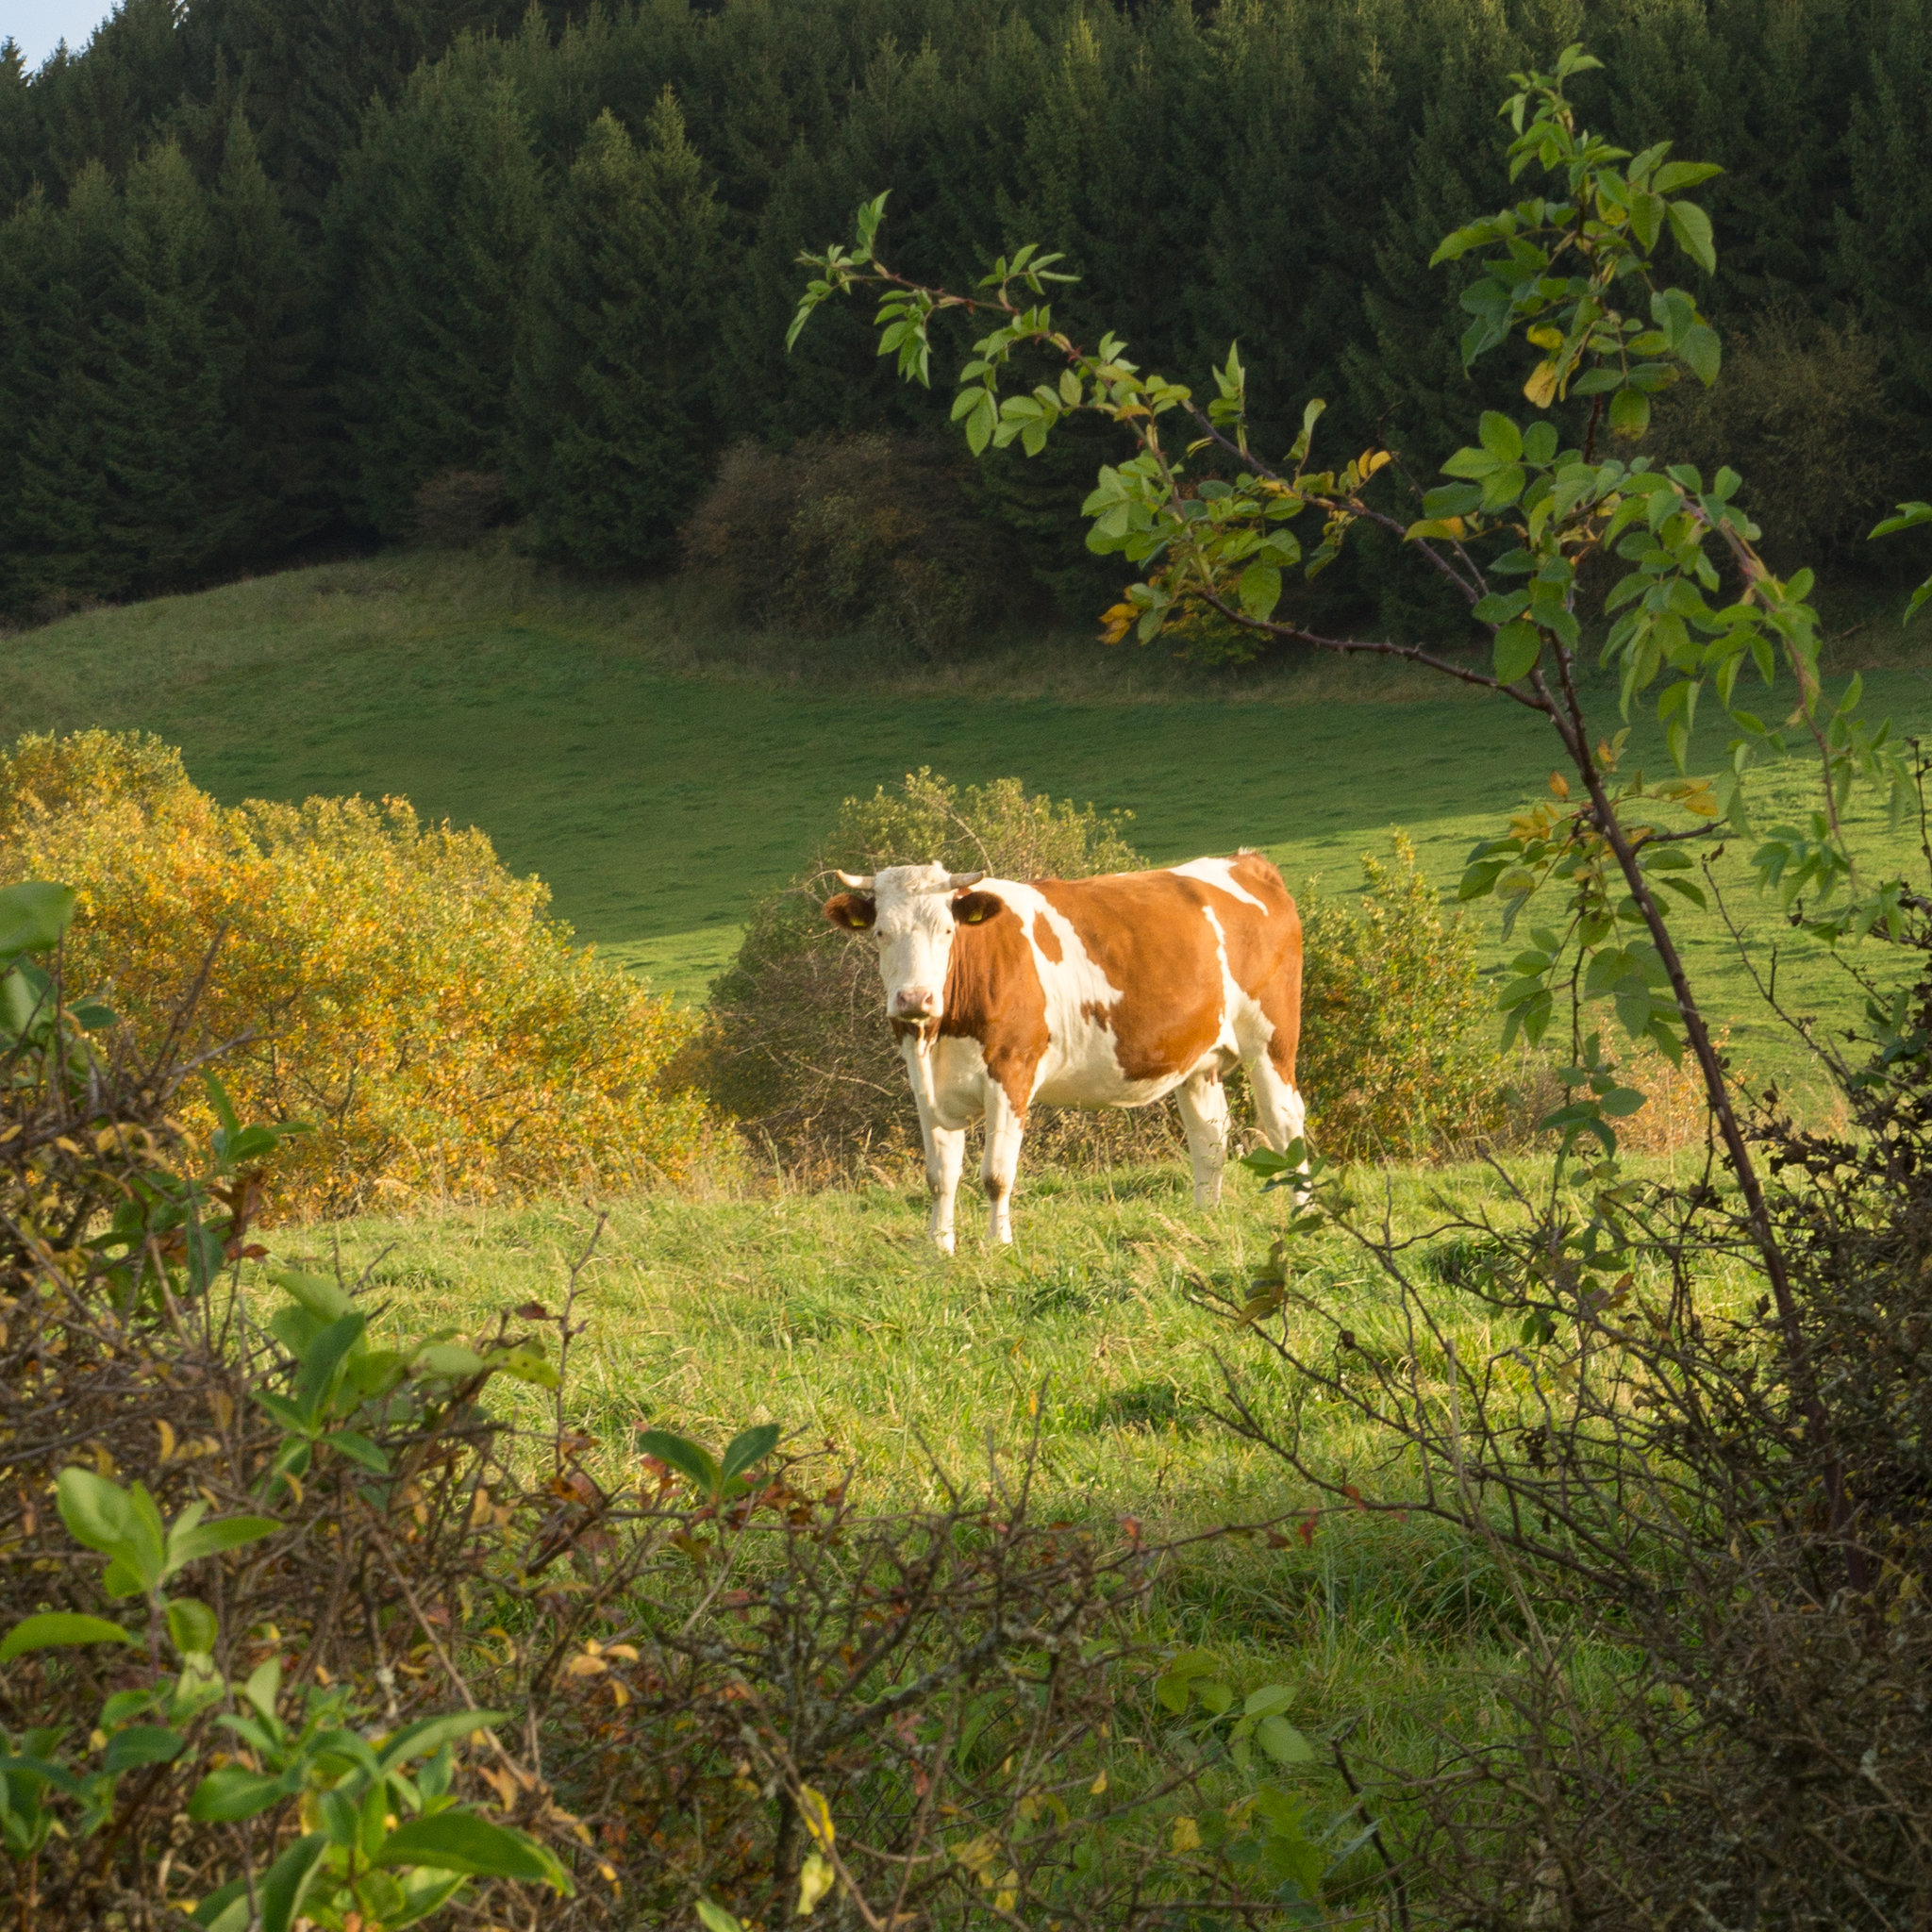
<point x="943" y="1244"/>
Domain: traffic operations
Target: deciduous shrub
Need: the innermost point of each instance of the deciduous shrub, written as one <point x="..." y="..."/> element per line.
<point x="388" y="981"/>
<point x="1803" y="415"/>
<point x="846" y="533"/>
<point x="453" y="507"/>
<point x="1398" y="1057"/>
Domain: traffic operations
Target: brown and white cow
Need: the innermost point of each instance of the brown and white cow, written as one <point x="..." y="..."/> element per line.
<point x="1084" y="992"/>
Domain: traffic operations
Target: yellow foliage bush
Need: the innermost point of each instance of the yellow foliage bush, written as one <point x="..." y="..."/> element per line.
<point x="392" y="982"/>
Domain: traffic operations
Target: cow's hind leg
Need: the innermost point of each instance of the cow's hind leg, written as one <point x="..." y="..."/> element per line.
<point x="999" y="1166"/>
<point x="1203" y="1102"/>
<point x="1278" y="1108"/>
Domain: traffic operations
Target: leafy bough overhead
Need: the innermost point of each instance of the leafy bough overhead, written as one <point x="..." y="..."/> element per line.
<point x="1578" y="271"/>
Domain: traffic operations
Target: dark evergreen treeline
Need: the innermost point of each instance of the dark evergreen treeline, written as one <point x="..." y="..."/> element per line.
<point x="273" y="264"/>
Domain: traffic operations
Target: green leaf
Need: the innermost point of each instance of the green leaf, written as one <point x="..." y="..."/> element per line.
<point x="716" y="1919"/>
<point x="1909" y="516"/>
<point x="317" y="1293"/>
<point x="460" y="1841"/>
<point x="97" y="1512"/>
<point x="33" y="917"/>
<point x="210" y="1539"/>
<point x="684" y="1456"/>
<point x="445" y="1359"/>
<point x="288" y="1879"/>
<point x="1703" y="351"/>
<point x="1260" y="590"/>
<point x="58" y="1627"/>
<point x="1271" y="1700"/>
<point x="143" y="1744"/>
<point x="1518" y="647"/>
<point x="1283" y="1742"/>
<point x="750" y="1446"/>
<point x="428" y="1735"/>
<point x="1692" y="226"/>
<point x="323" y="1364"/>
<point x="1674" y="175"/>
<point x="525" y="1362"/>
<point x="1500" y="437"/>
<point x="1630" y="412"/>
<point x="358" y="1449"/>
<point x="192" y="1626"/>
<point x="232" y="1793"/>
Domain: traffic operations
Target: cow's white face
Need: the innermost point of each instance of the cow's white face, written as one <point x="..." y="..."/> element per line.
<point x="910" y="912"/>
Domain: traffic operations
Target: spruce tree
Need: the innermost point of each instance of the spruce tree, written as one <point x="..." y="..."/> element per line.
<point x="432" y="231"/>
<point x="20" y="156"/>
<point x="1884" y="241"/>
<point x="616" y="439"/>
<point x="269" y="478"/>
<point x="57" y="269"/>
<point x="164" y="359"/>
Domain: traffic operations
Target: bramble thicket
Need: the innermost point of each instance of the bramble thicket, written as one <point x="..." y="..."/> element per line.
<point x="271" y="274"/>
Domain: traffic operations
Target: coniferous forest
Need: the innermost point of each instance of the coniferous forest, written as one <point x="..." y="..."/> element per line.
<point x="273" y="266"/>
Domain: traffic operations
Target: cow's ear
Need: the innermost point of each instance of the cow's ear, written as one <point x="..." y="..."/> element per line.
<point x="975" y="909"/>
<point x="855" y="912"/>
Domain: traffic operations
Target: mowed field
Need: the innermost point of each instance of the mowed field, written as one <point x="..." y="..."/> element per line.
<point x="660" y="769"/>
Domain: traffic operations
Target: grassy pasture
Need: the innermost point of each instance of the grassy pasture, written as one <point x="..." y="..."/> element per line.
<point x="659" y="769"/>
<point x="828" y="1314"/>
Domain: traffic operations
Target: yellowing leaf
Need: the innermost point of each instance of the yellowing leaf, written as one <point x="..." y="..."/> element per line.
<point x="815" y="1878"/>
<point x="1187" y="1834"/>
<point x="1098" y="1785"/>
<point x="817" y="1814"/>
<point x="1560" y="785"/>
<point x="1545" y="337"/>
<point x="1542" y="387"/>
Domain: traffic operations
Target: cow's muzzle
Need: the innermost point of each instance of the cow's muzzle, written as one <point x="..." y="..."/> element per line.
<point x="915" y="1002"/>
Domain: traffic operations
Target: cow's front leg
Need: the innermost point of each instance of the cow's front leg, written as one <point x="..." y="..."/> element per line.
<point x="946" y="1155"/>
<point x="999" y="1166"/>
<point x="1203" y="1102"/>
<point x="1281" y="1113"/>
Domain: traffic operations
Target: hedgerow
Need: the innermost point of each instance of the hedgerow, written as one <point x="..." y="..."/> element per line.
<point x="389" y="982"/>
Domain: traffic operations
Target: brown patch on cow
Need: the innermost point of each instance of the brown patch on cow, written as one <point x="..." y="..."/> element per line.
<point x="1046" y="938"/>
<point x="1149" y="934"/>
<point x="993" y="995"/>
<point x="855" y="912"/>
<point x="1097" y="1013"/>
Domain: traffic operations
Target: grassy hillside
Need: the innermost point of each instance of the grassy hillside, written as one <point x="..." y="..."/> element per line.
<point x="659" y="769"/>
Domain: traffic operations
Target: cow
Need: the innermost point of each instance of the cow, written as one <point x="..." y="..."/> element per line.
<point x="1109" y="992"/>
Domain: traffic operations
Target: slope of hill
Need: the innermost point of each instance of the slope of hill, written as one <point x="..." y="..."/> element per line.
<point x="659" y="769"/>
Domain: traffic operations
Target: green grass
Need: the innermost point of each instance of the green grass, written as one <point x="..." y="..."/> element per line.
<point x="661" y="769"/>
<point x="829" y="1314"/>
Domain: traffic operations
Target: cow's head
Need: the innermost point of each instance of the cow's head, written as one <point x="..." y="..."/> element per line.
<point x="911" y="912"/>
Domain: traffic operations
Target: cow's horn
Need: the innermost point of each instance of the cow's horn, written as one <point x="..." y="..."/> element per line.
<point x="859" y="881"/>
<point x="959" y="881"/>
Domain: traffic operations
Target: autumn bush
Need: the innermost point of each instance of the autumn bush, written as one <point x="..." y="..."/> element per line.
<point x="389" y="982"/>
